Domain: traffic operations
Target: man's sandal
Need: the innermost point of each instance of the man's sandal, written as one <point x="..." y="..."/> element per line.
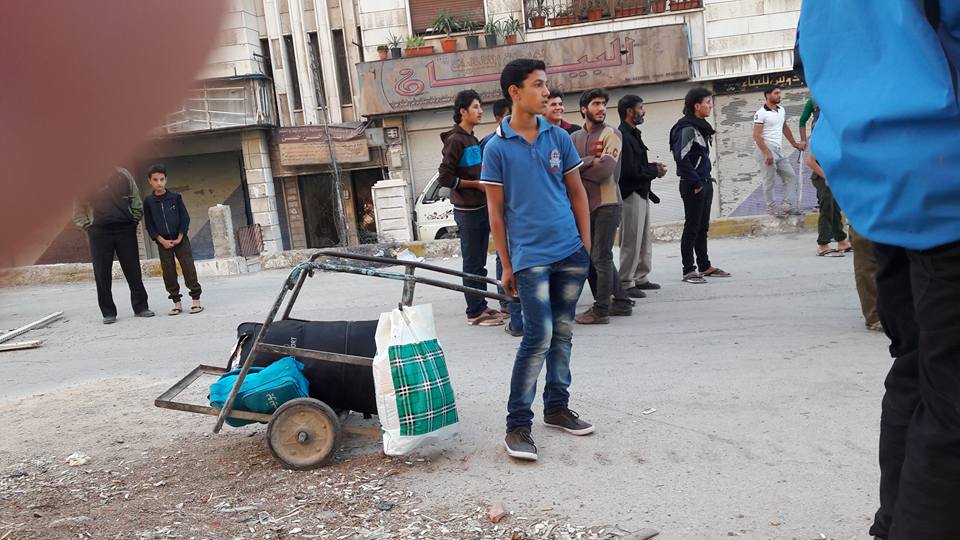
<point x="175" y="311"/>
<point x="195" y="309"/>
<point x="715" y="272"/>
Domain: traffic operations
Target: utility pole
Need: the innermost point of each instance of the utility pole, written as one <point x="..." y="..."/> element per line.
<point x="337" y="182"/>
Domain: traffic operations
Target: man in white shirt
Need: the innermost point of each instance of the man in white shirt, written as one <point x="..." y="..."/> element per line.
<point x="769" y="127"/>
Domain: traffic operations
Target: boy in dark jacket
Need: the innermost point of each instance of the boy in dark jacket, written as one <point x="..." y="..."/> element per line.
<point x="167" y="223"/>
<point x="690" y="144"/>
<point x="460" y="171"/>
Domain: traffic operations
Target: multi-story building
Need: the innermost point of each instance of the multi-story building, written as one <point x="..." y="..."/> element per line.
<point x="653" y="48"/>
<point x="292" y="82"/>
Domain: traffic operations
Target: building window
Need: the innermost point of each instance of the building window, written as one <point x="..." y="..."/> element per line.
<point x="343" y="69"/>
<point x="294" y="92"/>
<point x="423" y="12"/>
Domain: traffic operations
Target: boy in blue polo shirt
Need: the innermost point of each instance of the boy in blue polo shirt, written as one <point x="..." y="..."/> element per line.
<point x="532" y="181"/>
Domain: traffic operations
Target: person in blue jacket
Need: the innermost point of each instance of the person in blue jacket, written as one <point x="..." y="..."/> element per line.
<point x="893" y="163"/>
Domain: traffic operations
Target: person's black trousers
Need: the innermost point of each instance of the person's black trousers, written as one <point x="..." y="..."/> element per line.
<point x="104" y="243"/>
<point x="474" y="229"/>
<point x="919" y="306"/>
<point x="168" y="267"/>
<point x="696" y="225"/>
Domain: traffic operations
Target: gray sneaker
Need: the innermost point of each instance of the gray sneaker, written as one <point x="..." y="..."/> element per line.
<point x="144" y="313"/>
<point x="568" y="421"/>
<point x="110" y="320"/>
<point x="519" y="444"/>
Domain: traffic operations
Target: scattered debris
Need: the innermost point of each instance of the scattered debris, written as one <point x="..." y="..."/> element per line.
<point x="776" y="522"/>
<point x="77" y="459"/>
<point x="27" y="327"/>
<point x="21" y="345"/>
<point x="642" y="534"/>
<point x="407" y="255"/>
<point x="496" y="512"/>
<point x="649" y="410"/>
<point x="385" y="506"/>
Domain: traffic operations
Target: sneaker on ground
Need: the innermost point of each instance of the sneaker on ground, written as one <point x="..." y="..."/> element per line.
<point x="519" y="444"/>
<point x="144" y="313"/>
<point x="110" y="320"/>
<point x="693" y="277"/>
<point x="568" y="421"/>
<point x="621" y="309"/>
<point x="511" y="331"/>
<point x="648" y="286"/>
<point x="635" y="292"/>
<point x="591" y="317"/>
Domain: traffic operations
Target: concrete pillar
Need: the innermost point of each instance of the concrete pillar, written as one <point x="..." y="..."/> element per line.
<point x="263" y="199"/>
<point x="221" y="229"/>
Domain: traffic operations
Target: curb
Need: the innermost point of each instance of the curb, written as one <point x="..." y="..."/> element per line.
<point x="668" y="232"/>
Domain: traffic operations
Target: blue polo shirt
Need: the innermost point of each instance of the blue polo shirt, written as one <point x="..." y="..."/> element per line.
<point x="889" y="130"/>
<point x="541" y="228"/>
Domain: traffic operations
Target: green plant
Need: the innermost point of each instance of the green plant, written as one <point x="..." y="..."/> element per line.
<point x="492" y="27"/>
<point x="565" y="12"/>
<point x="469" y="25"/>
<point x="538" y="8"/>
<point x="511" y="26"/>
<point x="446" y="23"/>
<point x="415" y="41"/>
<point x="593" y="4"/>
<point x="393" y="41"/>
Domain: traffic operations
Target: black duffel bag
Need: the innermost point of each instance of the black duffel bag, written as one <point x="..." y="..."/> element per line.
<point x="341" y="386"/>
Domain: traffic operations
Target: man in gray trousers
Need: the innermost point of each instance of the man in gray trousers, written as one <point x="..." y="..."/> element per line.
<point x="636" y="174"/>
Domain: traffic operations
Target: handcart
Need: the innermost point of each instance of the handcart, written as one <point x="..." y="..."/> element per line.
<point x="304" y="433"/>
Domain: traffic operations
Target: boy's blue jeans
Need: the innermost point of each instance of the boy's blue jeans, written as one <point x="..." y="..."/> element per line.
<point x="548" y="296"/>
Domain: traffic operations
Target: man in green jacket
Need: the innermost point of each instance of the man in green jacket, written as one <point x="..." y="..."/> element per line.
<point x="110" y="216"/>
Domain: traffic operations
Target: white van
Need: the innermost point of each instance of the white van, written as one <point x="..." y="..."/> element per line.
<point x="433" y="213"/>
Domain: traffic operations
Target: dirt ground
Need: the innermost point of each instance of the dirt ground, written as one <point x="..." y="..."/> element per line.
<point x="154" y="473"/>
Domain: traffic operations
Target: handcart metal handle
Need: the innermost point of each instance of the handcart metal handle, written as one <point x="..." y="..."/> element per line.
<point x="301" y="272"/>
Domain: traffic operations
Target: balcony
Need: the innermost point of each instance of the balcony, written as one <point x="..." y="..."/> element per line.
<point x="222" y="104"/>
<point x="541" y="14"/>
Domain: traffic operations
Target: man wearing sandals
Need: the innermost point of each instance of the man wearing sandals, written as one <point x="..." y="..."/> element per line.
<point x="830" y="222"/>
<point x="460" y="171"/>
<point x="167" y="223"/>
<point x="690" y="141"/>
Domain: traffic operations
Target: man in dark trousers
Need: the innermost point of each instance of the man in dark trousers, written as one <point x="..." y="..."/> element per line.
<point x="894" y="167"/>
<point x="690" y="140"/>
<point x="460" y="171"/>
<point x="110" y="216"/>
<point x="636" y="174"/>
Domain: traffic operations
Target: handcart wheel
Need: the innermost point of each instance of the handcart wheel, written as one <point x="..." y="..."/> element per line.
<point x="303" y="433"/>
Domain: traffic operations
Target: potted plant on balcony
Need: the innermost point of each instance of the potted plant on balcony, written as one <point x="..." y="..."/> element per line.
<point x="394" y="43"/>
<point x="628" y="8"/>
<point x="538" y="12"/>
<point x="491" y="30"/>
<point x="594" y="10"/>
<point x="448" y="24"/>
<point x="563" y="17"/>
<point x="677" y="5"/>
<point x="473" y="38"/>
<point x="416" y="46"/>
<point x="511" y="28"/>
<point x="658" y="6"/>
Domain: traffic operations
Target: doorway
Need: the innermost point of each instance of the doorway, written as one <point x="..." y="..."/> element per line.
<point x="319" y="210"/>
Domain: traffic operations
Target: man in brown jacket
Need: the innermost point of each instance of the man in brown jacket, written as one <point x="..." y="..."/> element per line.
<point x="599" y="146"/>
<point x="460" y="171"/>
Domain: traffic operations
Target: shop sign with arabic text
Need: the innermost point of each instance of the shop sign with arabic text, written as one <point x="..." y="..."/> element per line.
<point x="608" y="60"/>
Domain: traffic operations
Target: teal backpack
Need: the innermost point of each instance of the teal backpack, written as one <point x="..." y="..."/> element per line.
<point x="263" y="389"/>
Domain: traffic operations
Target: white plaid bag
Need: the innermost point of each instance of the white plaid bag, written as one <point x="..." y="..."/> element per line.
<point x="415" y="400"/>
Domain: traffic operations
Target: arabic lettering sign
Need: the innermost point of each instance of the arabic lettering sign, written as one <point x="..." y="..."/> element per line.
<point x="307" y="145"/>
<point x="609" y="60"/>
<point x="757" y="82"/>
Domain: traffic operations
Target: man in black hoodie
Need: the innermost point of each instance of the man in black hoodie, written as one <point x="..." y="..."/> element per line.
<point x="636" y="174"/>
<point x="690" y="140"/>
<point x="110" y="216"/>
<point x="460" y="171"/>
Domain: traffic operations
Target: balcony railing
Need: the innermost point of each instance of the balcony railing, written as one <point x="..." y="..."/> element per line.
<point x="554" y="13"/>
<point x="223" y="104"/>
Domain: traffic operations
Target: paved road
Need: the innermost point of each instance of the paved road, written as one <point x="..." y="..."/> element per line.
<point x="766" y="385"/>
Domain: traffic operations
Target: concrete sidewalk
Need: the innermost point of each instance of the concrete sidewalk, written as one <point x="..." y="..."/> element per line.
<point x="766" y="385"/>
